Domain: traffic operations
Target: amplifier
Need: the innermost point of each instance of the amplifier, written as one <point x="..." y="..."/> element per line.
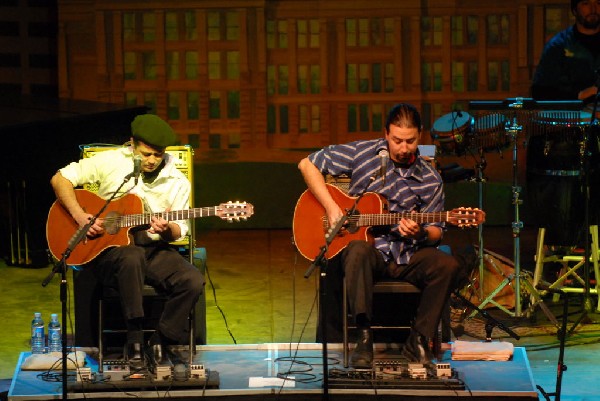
<point x="183" y="156"/>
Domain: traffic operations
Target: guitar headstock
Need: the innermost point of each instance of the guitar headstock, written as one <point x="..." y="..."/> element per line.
<point x="466" y="217"/>
<point x="234" y="211"/>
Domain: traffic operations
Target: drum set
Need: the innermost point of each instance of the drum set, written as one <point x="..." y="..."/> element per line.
<point x="562" y="146"/>
<point x="459" y="132"/>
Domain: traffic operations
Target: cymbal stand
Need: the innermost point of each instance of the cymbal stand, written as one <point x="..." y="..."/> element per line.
<point x="480" y="167"/>
<point x="512" y="128"/>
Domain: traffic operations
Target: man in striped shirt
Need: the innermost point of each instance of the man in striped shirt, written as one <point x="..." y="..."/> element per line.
<point x="406" y="250"/>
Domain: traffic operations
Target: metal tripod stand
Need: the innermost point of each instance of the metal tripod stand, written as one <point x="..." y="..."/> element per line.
<point x="512" y="129"/>
<point x="480" y="167"/>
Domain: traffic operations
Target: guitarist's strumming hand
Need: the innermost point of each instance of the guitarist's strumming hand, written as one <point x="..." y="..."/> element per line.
<point x="96" y="230"/>
<point x="333" y="216"/>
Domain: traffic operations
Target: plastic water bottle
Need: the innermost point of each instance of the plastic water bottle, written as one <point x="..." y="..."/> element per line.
<point x="37" y="334"/>
<point x="54" y="334"/>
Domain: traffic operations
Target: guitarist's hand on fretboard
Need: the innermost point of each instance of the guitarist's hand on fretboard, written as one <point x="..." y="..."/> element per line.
<point x="410" y="229"/>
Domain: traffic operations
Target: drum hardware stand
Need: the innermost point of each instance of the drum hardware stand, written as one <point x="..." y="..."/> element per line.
<point x="512" y="128"/>
<point x="585" y="165"/>
<point x="480" y="179"/>
<point x="528" y="286"/>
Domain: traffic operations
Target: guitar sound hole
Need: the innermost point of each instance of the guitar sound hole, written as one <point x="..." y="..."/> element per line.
<point x="111" y="225"/>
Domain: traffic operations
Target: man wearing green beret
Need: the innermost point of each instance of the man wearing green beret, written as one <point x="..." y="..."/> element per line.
<point x="149" y="258"/>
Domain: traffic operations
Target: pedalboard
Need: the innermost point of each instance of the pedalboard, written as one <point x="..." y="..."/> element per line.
<point x="397" y="374"/>
<point x="118" y="373"/>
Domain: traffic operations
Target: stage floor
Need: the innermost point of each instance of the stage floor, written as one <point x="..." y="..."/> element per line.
<point x="251" y="371"/>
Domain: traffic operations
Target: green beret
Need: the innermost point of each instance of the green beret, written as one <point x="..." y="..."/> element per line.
<point x="153" y="130"/>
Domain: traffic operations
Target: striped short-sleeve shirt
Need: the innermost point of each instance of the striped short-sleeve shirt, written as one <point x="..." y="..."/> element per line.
<point x="416" y="188"/>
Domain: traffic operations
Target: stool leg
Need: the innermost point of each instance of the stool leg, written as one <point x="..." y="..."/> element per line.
<point x="192" y="347"/>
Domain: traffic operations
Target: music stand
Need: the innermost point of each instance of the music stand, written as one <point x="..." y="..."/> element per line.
<point x="513" y="128"/>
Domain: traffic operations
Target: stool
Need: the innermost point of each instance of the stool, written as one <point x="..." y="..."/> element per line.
<point x="571" y="263"/>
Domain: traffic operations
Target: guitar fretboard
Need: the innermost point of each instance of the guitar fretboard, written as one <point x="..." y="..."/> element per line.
<point x="133" y="220"/>
<point x="393" y="218"/>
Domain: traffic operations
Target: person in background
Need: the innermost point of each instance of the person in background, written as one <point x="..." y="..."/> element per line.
<point x="149" y="258"/>
<point x="404" y="251"/>
<point x="569" y="67"/>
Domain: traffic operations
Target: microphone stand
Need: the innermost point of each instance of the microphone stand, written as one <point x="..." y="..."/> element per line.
<point x="562" y="335"/>
<point x="61" y="266"/>
<point x="321" y="261"/>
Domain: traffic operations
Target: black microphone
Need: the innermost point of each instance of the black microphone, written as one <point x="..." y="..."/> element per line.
<point x="137" y="167"/>
<point x="384" y="156"/>
<point x="458" y="113"/>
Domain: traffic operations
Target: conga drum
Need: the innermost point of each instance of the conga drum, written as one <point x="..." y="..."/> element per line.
<point x="555" y="179"/>
<point x="450" y="132"/>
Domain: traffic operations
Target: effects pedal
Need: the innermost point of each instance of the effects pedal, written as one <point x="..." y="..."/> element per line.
<point x="197" y="371"/>
<point x="84" y="374"/>
<point x="116" y="371"/>
<point x="163" y="373"/>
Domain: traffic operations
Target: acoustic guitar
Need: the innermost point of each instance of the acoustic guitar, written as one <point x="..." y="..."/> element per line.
<point x="310" y="224"/>
<point x="120" y="213"/>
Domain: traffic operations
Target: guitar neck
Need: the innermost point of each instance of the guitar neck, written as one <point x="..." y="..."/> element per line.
<point x="132" y="220"/>
<point x="382" y="219"/>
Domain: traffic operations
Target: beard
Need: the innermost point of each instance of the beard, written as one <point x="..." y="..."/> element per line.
<point x="592" y="21"/>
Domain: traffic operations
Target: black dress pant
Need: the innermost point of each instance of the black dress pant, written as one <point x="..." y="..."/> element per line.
<point x="434" y="272"/>
<point x="128" y="268"/>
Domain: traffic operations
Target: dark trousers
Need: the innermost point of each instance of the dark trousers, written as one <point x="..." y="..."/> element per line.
<point x="434" y="272"/>
<point x="128" y="268"/>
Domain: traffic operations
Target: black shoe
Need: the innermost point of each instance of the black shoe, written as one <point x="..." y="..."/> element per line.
<point x="362" y="356"/>
<point x="416" y="349"/>
<point x="134" y="355"/>
<point x="158" y="355"/>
